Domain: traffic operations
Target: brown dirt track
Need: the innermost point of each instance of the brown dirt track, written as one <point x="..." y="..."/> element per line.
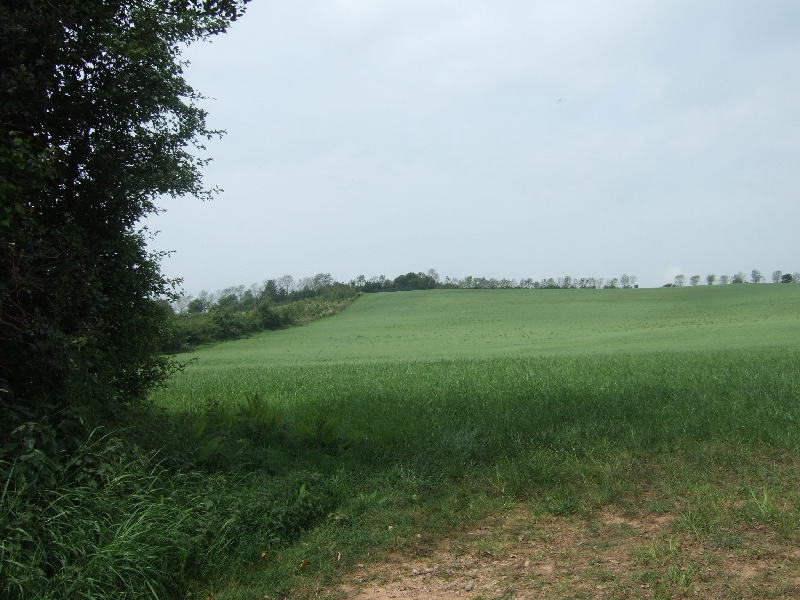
<point x="610" y="554"/>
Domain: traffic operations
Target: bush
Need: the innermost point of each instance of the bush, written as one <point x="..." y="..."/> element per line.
<point x="111" y="518"/>
<point x="97" y="523"/>
<point x="269" y="318"/>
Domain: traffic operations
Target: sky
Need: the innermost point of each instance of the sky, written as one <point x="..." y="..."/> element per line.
<point x="495" y="139"/>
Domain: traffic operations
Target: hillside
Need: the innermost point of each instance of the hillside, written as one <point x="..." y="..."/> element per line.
<point x="437" y="324"/>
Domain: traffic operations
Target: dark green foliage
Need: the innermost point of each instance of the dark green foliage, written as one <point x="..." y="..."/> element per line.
<point x="328" y="435"/>
<point x="95" y="122"/>
<point x="413" y="281"/>
<point x="102" y="524"/>
<point x="114" y="521"/>
<point x="240" y="312"/>
<point x="270" y="319"/>
<point x="196" y="306"/>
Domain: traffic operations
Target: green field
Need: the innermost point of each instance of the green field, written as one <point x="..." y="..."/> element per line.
<point x="428" y="409"/>
<point x="496" y="323"/>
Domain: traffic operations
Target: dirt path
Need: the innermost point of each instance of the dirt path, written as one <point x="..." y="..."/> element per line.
<point x="607" y="555"/>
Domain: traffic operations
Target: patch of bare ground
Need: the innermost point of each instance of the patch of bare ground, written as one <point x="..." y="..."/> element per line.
<point x="610" y="554"/>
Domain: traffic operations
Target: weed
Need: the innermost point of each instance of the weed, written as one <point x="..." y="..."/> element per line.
<point x="657" y="553"/>
<point x="762" y="506"/>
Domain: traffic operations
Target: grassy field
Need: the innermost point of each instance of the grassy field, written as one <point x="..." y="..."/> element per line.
<point x="411" y="415"/>
<point x="496" y="323"/>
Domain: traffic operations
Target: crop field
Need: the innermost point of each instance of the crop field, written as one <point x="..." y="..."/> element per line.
<point x="394" y="427"/>
<point x="498" y="323"/>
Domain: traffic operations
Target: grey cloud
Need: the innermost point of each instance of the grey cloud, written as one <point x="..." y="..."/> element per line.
<point x="497" y="139"/>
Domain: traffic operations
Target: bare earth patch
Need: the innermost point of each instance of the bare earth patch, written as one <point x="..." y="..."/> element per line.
<point x="610" y="554"/>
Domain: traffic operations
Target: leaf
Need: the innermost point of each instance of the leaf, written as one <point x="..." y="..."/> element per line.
<point x="199" y="428"/>
<point x="210" y="448"/>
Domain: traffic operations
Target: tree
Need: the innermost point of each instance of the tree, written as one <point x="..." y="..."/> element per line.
<point x="680" y="280"/>
<point x="270" y="291"/>
<point x="181" y="303"/>
<point x="285" y="284"/>
<point x="711" y="279"/>
<point x="788" y="278"/>
<point x="413" y="281"/>
<point x="756" y="276"/>
<point x="96" y="122"/>
<point x="724" y="280"/>
<point x="196" y="306"/>
<point x="776" y="276"/>
<point x="738" y="278"/>
<point x="269" y="318"/>
<point x="694" y="279"/>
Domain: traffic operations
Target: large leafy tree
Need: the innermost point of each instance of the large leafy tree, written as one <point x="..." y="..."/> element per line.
<point x="96" y="123"/>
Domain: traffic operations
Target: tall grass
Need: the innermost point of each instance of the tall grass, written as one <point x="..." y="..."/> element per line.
<point x="116" y="522"/>
<point x="102" y="524"/>
<point x="436" y="412"/>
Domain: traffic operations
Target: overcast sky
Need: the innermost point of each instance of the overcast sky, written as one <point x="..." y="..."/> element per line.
<point x="495" y="139"/>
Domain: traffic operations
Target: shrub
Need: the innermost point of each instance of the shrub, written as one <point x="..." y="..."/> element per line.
<point x="269" y="318"/>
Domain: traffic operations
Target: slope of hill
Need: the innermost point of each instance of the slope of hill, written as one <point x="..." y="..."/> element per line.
<point x="440" y="324"/>
<point x="408" y="416"/>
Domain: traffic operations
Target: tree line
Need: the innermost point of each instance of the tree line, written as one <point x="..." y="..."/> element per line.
<point x="237" y="311"/>
<point x="755" y="277"/>
<point x="431" y="280"/>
